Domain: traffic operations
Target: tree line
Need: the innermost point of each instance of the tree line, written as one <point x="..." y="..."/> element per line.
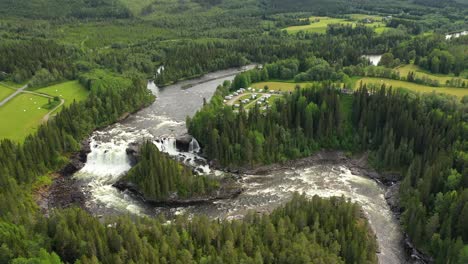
<point x="434" y="53"/>
<point x="302" y="231"/>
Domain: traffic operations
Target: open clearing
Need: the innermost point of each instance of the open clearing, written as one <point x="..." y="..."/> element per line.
<point x="21" y="116"/>
<point x="279" y="86"/>
<point x="459" y="92"/>
<point x="319" y="24"/>
<point x="419" y="72"/>
<point x="5" y="92"/>
<point x="68" y="91"/>
<point x="25" y="112"/>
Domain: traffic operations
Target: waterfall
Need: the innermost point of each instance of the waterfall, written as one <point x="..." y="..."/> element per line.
<point x="160" y="69"/>
<point x="153" y="88"/>
<point x="194" y="147"/>
<point x="167" y="145"/>
<point x="374" y="59"/>
<point x="190" y="158"/>
<point x="107" y="161"/>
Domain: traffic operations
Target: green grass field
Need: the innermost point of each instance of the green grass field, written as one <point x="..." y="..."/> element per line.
<point x="69" y="91"/>
<point x="322" y="23"/>
<point x="24" y="113"/>
<point x="5" y="92"/>
<point x="279" y="86"/>
<point x="21" y="116"/>
<point x="421" y="73"/>
<point x="459" y="92"/>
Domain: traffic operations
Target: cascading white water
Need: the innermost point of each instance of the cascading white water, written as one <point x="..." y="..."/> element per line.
<point x="153" y="88"/>
<point x="374" y="59"/>
<point x="168" y="145"/>
<point x="456" y="35"/>
<point x="107" y="162"/>
<point x="194" y="147"/>
<point x="262" y="193"/>
<point x="160" y="69"/>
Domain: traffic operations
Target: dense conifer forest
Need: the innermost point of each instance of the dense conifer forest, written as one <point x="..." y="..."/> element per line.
<point x="112" y="47"/>
<point x="296" y="126"/>
<point x="158" y="177"/>
<point x="316" y="230"/>
<point x="421" y="138"/>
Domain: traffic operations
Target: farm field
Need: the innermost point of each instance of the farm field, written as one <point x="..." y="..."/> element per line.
<point x="21" y="116"/>
<point x="404" y="70"/>
<point x="459" y="92"/>
<point x="5" y="92"/>
<point x="321" y="25"/>
<point x="26" y="111"/>
<point x="68" y="91"/>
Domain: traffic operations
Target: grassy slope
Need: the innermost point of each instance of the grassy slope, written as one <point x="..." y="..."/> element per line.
<point x="321" y="26"/>
<point x="459" y="92"/>
<point x="21" y="115"/>
<point x="5" y="92"/>
<point x="317" y="27"/>
<point x="69" y="91"/>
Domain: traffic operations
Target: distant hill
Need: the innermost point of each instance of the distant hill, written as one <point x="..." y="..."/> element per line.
<point x="64" y="8"/>
<point x="316" y="6"/>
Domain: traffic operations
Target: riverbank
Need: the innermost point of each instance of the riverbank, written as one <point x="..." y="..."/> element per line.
<point x="65" y="191"/>
<point x="229" y="189"/>
<point x="358" y="165"/>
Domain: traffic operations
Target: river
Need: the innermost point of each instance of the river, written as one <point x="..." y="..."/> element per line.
<point x="165" y="119"/>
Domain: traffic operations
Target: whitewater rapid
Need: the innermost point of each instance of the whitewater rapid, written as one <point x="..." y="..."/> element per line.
<point x="163" y="121"/>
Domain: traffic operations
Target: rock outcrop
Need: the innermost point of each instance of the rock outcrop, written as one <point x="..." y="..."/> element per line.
<point x="229" y="188"/>
<point x="77" y="159"/>
<point x="133" y="153"/>
<point x="183" y="142"/>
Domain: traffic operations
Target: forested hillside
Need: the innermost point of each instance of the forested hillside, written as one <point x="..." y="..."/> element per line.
<point x="425" y="140"/>
<point x="113" y="47"/>
<point x="63" y="9"/>
<point x="301" y="231"/>
<point x="421" y="138"/>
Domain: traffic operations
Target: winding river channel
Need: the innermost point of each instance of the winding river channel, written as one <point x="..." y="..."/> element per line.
<point x="165" y="119"/>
